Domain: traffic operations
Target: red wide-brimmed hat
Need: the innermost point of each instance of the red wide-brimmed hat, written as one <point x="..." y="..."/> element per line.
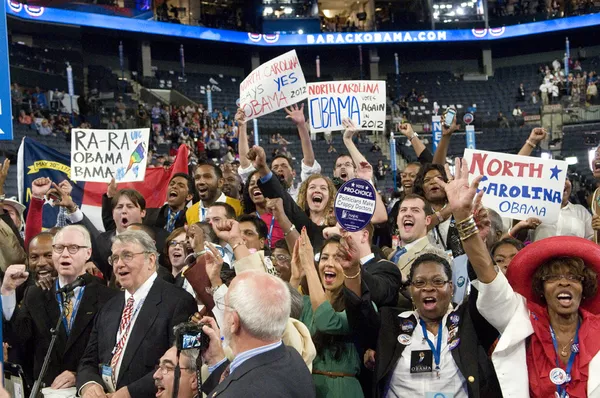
<point x="526" y="262"/>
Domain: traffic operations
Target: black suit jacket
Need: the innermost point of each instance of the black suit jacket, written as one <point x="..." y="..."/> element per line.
<point x="39" y="312"/>
<point x="151" y="336"/>
<point x="280" y="372"/>
<point x="297" y="216"/>
<point x="381" y="330"/>
<point x="383" y="279"/>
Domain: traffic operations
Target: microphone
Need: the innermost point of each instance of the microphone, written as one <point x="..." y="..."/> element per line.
<point x="71" y="286"/>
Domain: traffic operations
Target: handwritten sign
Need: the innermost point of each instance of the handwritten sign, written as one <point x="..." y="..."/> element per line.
<point x="99" y="155"/>
<point x="519" y="187"/>
<point x="355" y="204"/>
<point x="273" y="86"/>
<point x="363" y="101"/>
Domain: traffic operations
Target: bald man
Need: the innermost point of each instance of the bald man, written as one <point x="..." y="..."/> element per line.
<point x="261" y="362"/>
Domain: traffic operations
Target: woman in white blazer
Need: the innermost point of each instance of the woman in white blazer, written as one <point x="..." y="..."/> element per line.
<point x="546" y="308"/>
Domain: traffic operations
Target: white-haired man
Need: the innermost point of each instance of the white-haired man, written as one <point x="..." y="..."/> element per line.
<point x="31" y="322"/>
<point x="134" y="328"/>
<point x="257" y="308"/>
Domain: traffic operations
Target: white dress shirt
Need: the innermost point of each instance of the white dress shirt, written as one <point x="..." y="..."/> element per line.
<point x="406" y="384"/>
<point x="138" y="298"/>
<point x="573" y="220"/>
<point x="440" y="241"/>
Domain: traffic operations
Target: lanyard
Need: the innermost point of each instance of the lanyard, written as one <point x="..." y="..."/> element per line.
<point x="201" y="212"/>
<point x="122" y="334"/>
<point x="270" y="234"/>
<point x="435" y="350"/>
<point x="171" y="221"/>
<point x="561" y="390"/>
<point x="68" y="325"/>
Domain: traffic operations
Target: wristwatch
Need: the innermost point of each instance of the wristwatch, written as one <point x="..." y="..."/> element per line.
<point x="412" y="136"/>
<point x="2" y="197"/>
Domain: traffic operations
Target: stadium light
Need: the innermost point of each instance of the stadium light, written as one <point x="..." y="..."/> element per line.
<point x="268" y="11"/>
<point x="460" y="11"/>
<point x="300" y="31"/>
<point x="287" y="10"/>
<point x="571" y="160"/>
<point x="436" y="6"/>
<point x="463" y="5"/>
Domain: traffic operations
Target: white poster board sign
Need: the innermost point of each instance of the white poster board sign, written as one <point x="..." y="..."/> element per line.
<point x="519" y="187"/>
<point x="363" y="101"/>
<point x="100" y="155"/>
<point x="272" y="86"/>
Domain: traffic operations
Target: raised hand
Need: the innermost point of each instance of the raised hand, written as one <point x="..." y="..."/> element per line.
<point x="306" y="253"/>
<point x="296" y="114"/>
<point x="240" y="116"/>
<point x="275" y="206"/>
<point x="482" y="217"/>
<point x="259" y="158"/>
<point x="450" y="130"/>
<point x="228" y="230"/>
<point x="406" y="129"/>
<point x="596" y="223"/>
<point x="40" y="186"/>
<point x="365" y="171"/>
<point x="537" y="135"/>
<point x="14" y="277"/>
<point x="111" y="189"/>
<point x="214" y="262"/>
<point x="459" y="192"/>
<point x="350" y="128"/>
<point x="347" y="254"/>
<point x="63" y="199"/>
<point x="296" y="266"/>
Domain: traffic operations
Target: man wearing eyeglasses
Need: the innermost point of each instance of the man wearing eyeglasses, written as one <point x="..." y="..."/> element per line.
<point x="30" y="323"/>
<point x="134" y="328"/>
<point x="164" y="374"/>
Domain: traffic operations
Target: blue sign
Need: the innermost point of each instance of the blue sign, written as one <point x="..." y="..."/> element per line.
<point x="6" y="132"/>
<point x="470" y="137"/>
<point x="355" y="204"/>
<point x="67" y="17"/>
<point x="436" y="131"/>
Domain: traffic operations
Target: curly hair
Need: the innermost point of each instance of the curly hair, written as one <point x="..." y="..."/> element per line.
<point x="302" y="199"/>
<point x="575" y="266"/>
<point x="419" y="179"/>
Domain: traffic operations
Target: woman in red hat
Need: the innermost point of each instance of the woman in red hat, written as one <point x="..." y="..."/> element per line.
<point x="546" y="308"/>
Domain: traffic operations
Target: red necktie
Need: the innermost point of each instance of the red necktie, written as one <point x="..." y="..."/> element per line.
<point x="124" y="328"/>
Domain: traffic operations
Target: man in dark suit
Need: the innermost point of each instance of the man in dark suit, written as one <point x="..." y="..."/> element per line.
<point x="135" y="327"/>
<point x="262" y="366"/>
<point x="40" y="309"/>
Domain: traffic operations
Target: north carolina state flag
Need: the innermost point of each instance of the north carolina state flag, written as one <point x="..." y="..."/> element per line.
<point x="37" y="160"/>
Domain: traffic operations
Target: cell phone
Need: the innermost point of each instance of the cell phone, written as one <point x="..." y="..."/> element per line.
<point x="449" y="117"/>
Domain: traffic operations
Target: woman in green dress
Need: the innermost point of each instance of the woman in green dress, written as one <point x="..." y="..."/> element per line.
<point x="337" y="363"/>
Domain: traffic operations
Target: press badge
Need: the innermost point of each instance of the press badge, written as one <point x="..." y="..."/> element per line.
<point x="421" y="361"/>
<point x="107" y="378"/>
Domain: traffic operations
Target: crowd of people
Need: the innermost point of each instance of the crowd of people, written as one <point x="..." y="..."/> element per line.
<point x="435" y="296"/>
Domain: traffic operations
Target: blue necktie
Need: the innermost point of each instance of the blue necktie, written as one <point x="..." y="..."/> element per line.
<point x="397" y="255"/>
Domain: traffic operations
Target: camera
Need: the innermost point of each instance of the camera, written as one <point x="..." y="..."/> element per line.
<point x="190" y="335"/>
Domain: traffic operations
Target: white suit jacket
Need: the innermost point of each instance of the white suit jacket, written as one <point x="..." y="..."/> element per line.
<point x="507" y="312"/>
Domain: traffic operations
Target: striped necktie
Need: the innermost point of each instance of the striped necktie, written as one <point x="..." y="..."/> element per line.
<point x="124" y="328"/>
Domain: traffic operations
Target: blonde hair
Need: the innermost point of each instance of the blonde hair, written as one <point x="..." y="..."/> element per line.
<point x="302" y="199"/>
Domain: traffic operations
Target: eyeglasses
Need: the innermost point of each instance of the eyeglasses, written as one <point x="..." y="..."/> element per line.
<point x="58" y="249"/>
<point x="220" y="304"/>
<point x="175" y="243"/>
<point x="436" y="282"/>
<point x="568" y="277"/>
<point x="281" y="258"/>
<point x="126" y="257"/>
<point x="166" y="369"/>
